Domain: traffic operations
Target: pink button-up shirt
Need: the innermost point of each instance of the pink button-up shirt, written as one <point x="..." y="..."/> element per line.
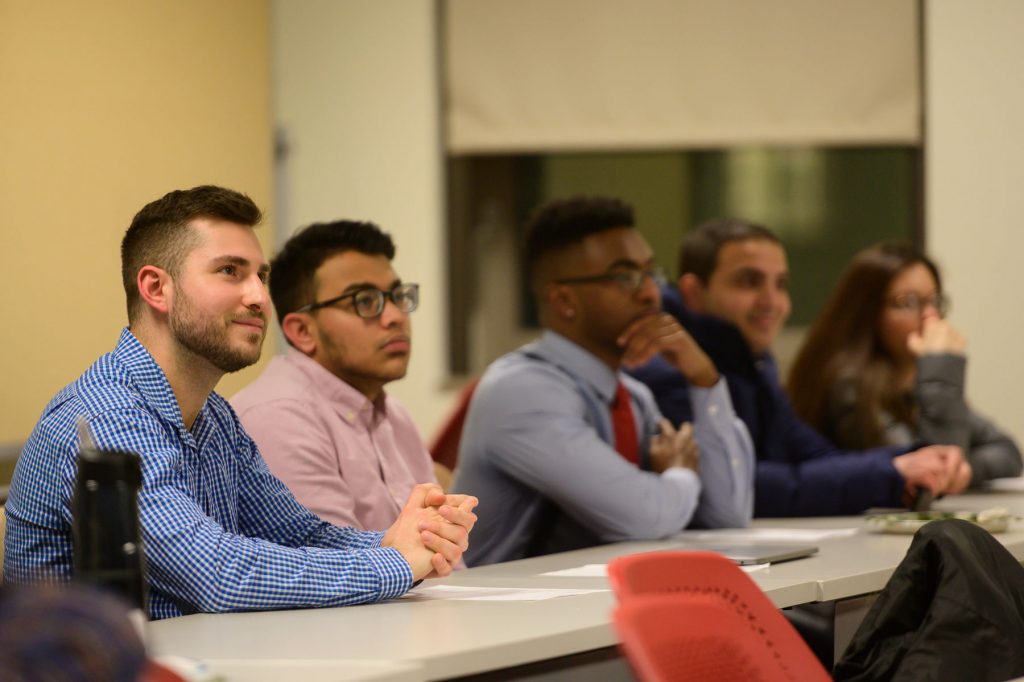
<point x="351" y="461"/>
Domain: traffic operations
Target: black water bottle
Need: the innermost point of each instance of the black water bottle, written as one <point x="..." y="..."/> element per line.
<point x="105" y="521"/>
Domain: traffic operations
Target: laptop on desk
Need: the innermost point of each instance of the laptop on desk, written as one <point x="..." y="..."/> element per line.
<point x="752" y="553"/>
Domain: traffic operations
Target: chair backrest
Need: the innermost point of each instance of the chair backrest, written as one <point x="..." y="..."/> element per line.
<point x="445" y="448"/>
<point x="709" y="580"/>
<point x="671" y="638"/>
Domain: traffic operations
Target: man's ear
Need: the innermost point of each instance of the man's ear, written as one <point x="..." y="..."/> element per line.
<point x="561" y="302"/>
<point x="692" y="291"/>
<point x="156" y="288"/>
<point x="300" y="330"/>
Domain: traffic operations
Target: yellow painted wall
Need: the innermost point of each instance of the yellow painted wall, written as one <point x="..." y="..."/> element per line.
<point x="105" y="106"/>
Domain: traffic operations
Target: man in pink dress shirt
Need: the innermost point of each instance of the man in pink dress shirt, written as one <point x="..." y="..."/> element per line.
<point x="319" y="413"/>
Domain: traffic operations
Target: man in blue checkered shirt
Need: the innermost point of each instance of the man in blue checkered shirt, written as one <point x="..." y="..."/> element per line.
<point x="220" y="532"/>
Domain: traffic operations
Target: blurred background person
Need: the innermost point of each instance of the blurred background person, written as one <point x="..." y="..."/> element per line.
<point x="70" y="634"/>
<point x="733" y="297"/>
<point x="882" y="365"/>
<point x="561" y="446"/>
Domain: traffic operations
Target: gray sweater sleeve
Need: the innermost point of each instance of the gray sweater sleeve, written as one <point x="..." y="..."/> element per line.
<point x="993" y="453"/>
<point x="946" y="419"/>
<point x="939" y="393"/>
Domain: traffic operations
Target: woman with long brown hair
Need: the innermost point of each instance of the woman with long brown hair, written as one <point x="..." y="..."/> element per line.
<point x="882" y="366"/>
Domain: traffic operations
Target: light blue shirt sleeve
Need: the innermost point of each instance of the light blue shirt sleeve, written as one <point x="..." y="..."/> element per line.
<point x="534" y="430"/>
<point x="727" y="460"/>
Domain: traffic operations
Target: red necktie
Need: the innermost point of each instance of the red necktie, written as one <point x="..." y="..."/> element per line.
<point x="626" y="442"/>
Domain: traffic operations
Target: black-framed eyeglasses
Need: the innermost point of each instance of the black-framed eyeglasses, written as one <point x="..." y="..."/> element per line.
<point x="915" y="305"/>
<point x="630" y="281"/>
<point x="369" y="301"/>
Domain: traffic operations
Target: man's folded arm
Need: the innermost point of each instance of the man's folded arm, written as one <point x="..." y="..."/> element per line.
<point x="205" y="568"/>
<point x="842" y="483"/>
<point x="199" y="564"/>
<point x="545" y="444"/>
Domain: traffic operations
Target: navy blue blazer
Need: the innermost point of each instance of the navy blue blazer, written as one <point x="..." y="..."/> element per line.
<point x="799" y="471"/>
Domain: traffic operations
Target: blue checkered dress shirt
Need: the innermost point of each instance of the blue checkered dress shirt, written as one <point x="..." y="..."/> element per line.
<point x="221" y="533"/>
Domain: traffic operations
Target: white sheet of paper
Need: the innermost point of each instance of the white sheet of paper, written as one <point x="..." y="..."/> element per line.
<point x="1006" y="484"/>
<point x="601" y="570"/>
<point x="459" y="592"/>
<point x="800" y="535"/>
<point x="585" y="571"/>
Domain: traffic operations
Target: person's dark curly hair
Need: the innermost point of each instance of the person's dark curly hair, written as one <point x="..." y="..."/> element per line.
<point x="293" y="270"/>
<point x="563" y="222"/>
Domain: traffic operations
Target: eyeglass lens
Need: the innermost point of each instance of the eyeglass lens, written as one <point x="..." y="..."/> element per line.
<point x="916" y="304"/>
<point x="370" y="302"/>
<point x="633" y="280"/>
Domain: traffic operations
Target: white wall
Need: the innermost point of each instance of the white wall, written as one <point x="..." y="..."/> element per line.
<point x="974" y="144"/>
<point x="356" y="93"/>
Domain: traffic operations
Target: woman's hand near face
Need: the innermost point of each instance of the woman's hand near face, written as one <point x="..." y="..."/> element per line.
<point x="936" y="336"/>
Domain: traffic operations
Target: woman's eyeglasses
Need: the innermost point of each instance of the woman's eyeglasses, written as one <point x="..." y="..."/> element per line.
<point x="914" y="304"/>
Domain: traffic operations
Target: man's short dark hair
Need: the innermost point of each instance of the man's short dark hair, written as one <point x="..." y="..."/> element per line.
<point x="563" y="222"/>
<point x="160" y="234"/>
<point x="698" y="254"/>
<point x="293" y="270"/>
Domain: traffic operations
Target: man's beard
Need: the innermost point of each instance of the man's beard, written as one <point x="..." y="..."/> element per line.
<point x="208" y="338"/>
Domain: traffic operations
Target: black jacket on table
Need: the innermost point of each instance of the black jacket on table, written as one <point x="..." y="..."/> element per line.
<point x="799" y="472"/>
<point x="953" y="610"/>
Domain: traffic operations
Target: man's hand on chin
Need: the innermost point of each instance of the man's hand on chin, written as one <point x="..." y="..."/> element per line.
<point x="661" y="334"/>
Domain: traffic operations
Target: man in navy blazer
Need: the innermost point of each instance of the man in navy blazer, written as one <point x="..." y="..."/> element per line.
<point x="732" y="297"/>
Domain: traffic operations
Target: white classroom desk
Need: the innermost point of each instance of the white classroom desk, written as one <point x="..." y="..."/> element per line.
<point x="862" y="564"/>
<point x="456" y="638"/>
<point x="266" y="670"/>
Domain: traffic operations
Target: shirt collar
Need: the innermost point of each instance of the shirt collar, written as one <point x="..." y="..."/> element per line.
<point x="349" y="403"/>
<point x="583" y="365"/>
<point x="150" y="379"/>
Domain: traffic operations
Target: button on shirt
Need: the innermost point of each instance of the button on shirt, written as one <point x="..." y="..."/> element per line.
<point x="220" y="532"/>
<point x="351" y="461"/>
<point x="537" y="450"/>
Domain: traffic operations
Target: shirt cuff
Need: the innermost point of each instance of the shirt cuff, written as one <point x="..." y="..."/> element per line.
<point x="393" y="571"/>
<point x="375" y="542"/>
<point x="712" y="403"/>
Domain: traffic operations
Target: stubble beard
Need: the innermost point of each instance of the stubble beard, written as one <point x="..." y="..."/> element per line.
<point x="208" y="338"/>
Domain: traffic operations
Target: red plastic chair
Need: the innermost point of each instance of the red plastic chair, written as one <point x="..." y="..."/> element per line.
<point x="697" y="584"/>
<point x="445" y="448"/>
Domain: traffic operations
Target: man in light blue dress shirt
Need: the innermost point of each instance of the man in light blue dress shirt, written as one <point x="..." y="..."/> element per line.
<point x="540" y="435"/>
<point x="221" y="533"/>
